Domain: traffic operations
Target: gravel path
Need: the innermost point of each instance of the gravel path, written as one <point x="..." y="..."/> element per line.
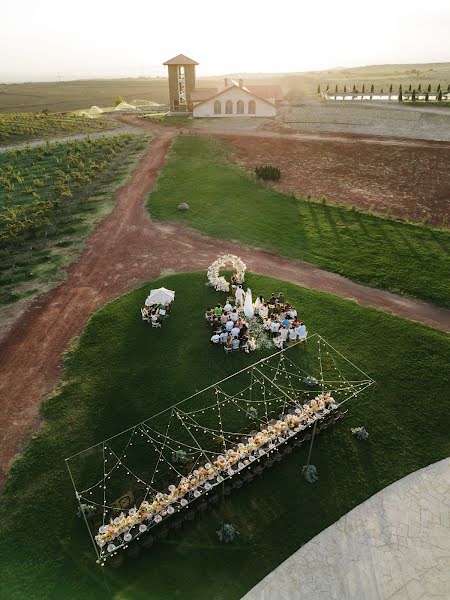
<point x="126" y="249"/>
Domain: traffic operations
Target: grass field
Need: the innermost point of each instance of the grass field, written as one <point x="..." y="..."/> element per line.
<point x="122" y="371"/>
<point x="226" y="202"/>
<point x="50" y="196"/>
<point x="73" y="95"/>
<point x="20" y="127"/>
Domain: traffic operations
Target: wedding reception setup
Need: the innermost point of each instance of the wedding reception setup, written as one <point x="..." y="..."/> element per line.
<point x="171" y="466"/>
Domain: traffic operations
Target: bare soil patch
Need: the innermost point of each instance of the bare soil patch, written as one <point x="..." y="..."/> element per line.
<point x="408" y="180"/>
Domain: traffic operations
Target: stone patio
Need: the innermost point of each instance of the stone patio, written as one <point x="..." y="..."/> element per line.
<point x="394" y="546"/>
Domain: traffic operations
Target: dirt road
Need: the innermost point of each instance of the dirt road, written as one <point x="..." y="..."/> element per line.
<point x="128" y="248"/>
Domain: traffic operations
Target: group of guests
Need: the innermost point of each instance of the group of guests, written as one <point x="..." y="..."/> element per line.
<point x="155" y="313"/>
<point x="228" y="329"/>
<point x="281" y="319"/>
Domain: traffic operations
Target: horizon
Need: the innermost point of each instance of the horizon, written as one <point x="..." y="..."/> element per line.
<point x="46" y="43"/>
<point x="230" y="74"/>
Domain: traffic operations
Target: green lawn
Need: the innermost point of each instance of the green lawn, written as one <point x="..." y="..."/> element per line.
<point x="225" y="202"/>
<point x="50" y="197"/>
<point x="123" y="371"/>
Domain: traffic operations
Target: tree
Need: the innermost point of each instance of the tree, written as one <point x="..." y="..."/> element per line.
<point x="409" y="87"/>
<point x="119" y="99"/>
<point x="390" y="89"/>
<point x="439" y="96"/>
<point x="363" y="88"/>
<point x="419" y="89"/>
<point x="413" y="97"/>
<point x="381" y="91"/>
<point x="354" y="88"/>
<point x="345" y="89"/>
<point x="429" y="88"/>
<point x="400" y="88"/>
<point x="336" y="90"/>
<point x="318" y="89"/>
<point x="372" y="88"/>
<point x="400" y="94"/>
<point x="328" y="87"/>
<point x="426" y="97"/>
<point x="448" y="88"/>
<point x="438" y="88"/>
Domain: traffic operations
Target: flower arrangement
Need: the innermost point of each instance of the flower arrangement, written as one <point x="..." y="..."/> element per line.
<point x="360" y="433"/>
<point x="218" y="282"/>
<point x="205" y="477"/>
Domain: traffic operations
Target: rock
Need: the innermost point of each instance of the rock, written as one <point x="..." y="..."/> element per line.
<point x="183" y="206"/>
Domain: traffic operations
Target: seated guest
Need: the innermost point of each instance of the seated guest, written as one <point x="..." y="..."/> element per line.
<point x="217" y="327"/>
<point x="209" y="314"/>
<point x="292" y="334"/>
<point x="234" y="315"/>
<point x="274" y="326"/>
<point x="229" y="325"/>
<point x="272" y="300"/>
<point x="224" y="317"/>
<point x="218" y="310"/>
<point x="236" y="343"/>
<point x="286" y="322"/>
<point x="227" y="307"/>
<point x="292" y="312"/>
<point x="229" y="341"/>
<point x="283" y="334"/>
<point x="239" y="323"/>
<point x="223" y="336"/>
<point x="235" y="331"/>
<point x="215" y="339"/>
<point x="244" y="331"/>
<point x="281" y="299"/>
<point x="155" y="318"/>
<point x="264" y="311"/>
<point x="301" y="332"/>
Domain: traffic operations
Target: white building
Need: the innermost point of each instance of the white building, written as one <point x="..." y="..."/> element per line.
<point x="235" y="99"/>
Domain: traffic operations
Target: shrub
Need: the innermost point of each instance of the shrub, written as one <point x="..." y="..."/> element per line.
<point x="268" y="172"/>
<point x="360" y="433"/>
<point x="227" y="533"/>
<point x="309" y="472"/>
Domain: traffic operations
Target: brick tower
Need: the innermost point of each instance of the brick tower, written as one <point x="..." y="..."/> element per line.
<point x="181" y="82"/>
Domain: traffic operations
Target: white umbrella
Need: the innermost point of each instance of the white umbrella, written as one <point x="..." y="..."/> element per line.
<point x="160" y="296"/>
<point x="248" y="304"/>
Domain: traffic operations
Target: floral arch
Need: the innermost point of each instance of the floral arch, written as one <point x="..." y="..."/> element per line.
<point x="218" y="282"/>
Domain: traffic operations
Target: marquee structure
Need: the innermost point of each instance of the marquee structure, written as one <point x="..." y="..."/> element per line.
<point x="146" y="474"/>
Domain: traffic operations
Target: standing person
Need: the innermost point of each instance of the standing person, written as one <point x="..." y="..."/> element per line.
<point x="218" y="310"/>
<point x="240" y="296"/>
<point x="233" y="284"/>
<point x="281" y="299"/>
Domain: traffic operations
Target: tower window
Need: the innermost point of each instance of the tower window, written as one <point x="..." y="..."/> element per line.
<point x="229" y="107"/>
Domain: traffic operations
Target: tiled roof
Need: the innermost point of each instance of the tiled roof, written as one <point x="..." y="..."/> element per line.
<point x="262" y="91"/>
<point x="181" y="59"/>
<point x="266" y="91"/>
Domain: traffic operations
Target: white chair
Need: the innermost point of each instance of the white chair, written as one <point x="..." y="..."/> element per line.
<point x="227" y="349"/>
<point x="144" y="315"/>
<point x="156" y="324"/>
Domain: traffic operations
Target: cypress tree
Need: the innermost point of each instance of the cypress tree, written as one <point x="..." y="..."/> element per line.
<point x="336" y="90"/>
<point x="439" y="88"/>
<point x="439" y="96"/>
<point x="372" y="88"/>
<point x="390" y="89"/>
<point x="448" y="88"/>
<point x="364" y="88"/>
<point x="345" y="89"/>
<point x="354" y="88"/>
<point x="400" y="88"/>
<point x="427" y="97"/>
<point x="419" y="89"/>
<point x="400" y="94"/>
<point x="318" y="89"/>
<point x="429" y="88"/>
<point x="328" y="87"/>
<point x="413" y="97"/>
<point x="381" y="91"/>
<point x="409" y="87"/>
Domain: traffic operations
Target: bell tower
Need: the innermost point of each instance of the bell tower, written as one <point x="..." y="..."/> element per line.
<point x="181" y="82"/>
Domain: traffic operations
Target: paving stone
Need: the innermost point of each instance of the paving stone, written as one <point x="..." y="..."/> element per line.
<point x="394" y="546"/>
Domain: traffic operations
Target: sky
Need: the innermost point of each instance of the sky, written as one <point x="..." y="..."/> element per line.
<point x="48" y="39"/>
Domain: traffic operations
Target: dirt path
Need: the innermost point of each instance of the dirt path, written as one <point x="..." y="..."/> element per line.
<point x="124" y="250"/>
